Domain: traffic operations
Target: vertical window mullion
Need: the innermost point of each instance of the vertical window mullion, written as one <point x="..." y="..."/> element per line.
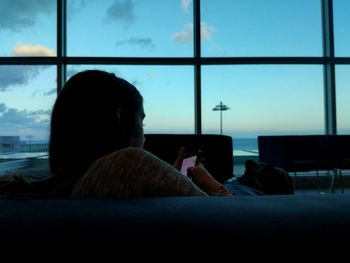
<point x="329" y="67"/>
<point x="197" y="66"/>
<point x="61" y="42"/>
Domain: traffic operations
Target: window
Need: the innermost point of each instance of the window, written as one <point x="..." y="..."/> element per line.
<point x="159" y="85"/>
<point x="343" y="99"/>
<point x="265" y="60"/>
<point x="250" y="28"/>
<point x="152" y="28"/>
<point x="27" y="96"/>
<point x="264" y="99"/>
<point x="341" y="27"/>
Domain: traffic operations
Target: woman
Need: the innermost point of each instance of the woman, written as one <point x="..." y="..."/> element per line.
<point x="96" y="141"/>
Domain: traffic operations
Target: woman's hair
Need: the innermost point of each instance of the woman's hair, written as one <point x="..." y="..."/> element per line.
<point x="84" y="122"/>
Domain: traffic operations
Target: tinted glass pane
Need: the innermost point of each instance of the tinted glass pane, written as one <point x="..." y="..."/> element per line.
<point x="261" y="28"/>
<point x="27" y="94"/>
<point x="167" y="91"/>
<point x="343" y="99"/>
<point x="130" y="28"/>
<point x="341" y="27"/>
<point x="263" y="100"/>
<point x="28" y="28"/>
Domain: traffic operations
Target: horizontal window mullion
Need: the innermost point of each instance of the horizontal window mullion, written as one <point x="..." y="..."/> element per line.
<point x="170" y="61"/>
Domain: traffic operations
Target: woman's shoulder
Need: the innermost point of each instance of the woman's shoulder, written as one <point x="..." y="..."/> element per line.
<point x="133" y="155"/>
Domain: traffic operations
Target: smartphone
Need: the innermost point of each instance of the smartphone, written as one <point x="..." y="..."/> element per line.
<point x="189" y="160"/>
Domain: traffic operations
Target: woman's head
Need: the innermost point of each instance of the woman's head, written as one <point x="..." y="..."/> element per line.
<point x="95" y="113"/>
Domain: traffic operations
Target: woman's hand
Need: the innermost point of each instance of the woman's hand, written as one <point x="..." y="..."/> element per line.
<point x="179" y="158"/>
<point x="203" y="179"/>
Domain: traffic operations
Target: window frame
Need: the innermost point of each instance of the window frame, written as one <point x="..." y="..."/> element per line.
<point x="327" y="60"/>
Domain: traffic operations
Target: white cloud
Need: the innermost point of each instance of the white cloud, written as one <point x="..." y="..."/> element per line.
<point x="27" y="50"/>
<point x="206" y="31"/>
<point x="187" y="33"/>
<point x="186" y="5"/>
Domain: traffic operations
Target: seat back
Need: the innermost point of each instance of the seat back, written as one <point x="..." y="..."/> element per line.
<point x="217" y="150"/>
<point x="310" y="152"/>
<point x="342" y="147"/>
<point x="296" y="153"/>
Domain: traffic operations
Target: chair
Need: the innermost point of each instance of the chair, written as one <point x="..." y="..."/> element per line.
<point x="342" y="155"/>
<point x="217" y="150"/>
<point x="272" y="150"/>
<point x="310" y="153"/>
<point x="298" y="153"/>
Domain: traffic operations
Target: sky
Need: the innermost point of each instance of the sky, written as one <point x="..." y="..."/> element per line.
<point x="263" y="99"/>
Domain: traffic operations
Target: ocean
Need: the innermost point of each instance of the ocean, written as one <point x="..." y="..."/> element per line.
<point x="245" y="144"/>
<point x="241" y="147"/>
<point x="245" y="147"/>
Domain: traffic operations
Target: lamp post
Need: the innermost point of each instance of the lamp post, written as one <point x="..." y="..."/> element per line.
<point x="220" y="107"/>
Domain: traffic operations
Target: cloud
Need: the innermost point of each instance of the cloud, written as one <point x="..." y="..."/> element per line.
<point x="75" y="6"/>
<point x="21" y="75"/>
<point x="22" y="14"/>
<point x="27" y="50"/>
<point x="136" y="83"/>
<point x="72" y="70"/>
<point x="206" y="31"/>
<point x="141" y="42"/>
<point x="50" y="92"/>
<point x="121" y="11"/>
<point x="187" y="33"/>
<point x="16" y="75"/>
<point x="2" y="107"/>
<point x="185" y="4"/>
<point x="14" y="121"/>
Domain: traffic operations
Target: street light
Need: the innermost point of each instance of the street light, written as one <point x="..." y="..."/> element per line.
<point x="220" y="107"/>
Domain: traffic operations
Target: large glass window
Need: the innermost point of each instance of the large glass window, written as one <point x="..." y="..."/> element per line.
<point x="248" y="28"/>
<point x="168" y="94"/>
<point x="28" y="28"/>
<point x="262" y="100"/>
<point x="341" y="27"/>
<point x="151" y="44"/>
<point x="343" y="99"/>
<point x="27" y="94"/>
<point x="138" y="28"/>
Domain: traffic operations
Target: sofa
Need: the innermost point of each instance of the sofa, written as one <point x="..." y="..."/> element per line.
<point x="291" y="221"/>
<point x="228" y="224"/>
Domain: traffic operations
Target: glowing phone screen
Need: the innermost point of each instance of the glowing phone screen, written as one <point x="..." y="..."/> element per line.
<point x="188" y="162"/>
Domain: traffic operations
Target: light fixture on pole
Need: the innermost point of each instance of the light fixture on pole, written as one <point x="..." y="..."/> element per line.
<point x="220" y="107"/>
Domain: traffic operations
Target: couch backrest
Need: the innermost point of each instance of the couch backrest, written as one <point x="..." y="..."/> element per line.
<point x="305" y="152"/>
<point x="216" y="149"/>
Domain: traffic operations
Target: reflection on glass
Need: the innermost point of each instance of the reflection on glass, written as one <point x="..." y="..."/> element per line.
<point x="168" y="94"/>
<point x="136" y="28"/>
<point x="343" y="99"/>
<point x="247" y="28"/>
<point x="27" y="94"/>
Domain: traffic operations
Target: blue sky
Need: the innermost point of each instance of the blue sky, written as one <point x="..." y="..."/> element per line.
<point x="263" y="99"/>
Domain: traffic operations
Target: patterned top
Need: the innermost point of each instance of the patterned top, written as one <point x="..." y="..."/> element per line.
<point x="133" y="172"/>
